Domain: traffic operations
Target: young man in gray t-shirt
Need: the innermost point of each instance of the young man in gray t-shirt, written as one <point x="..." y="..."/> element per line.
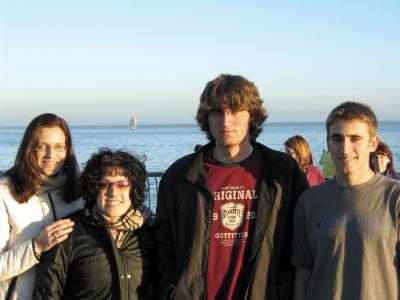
<point x="346" y="230"/>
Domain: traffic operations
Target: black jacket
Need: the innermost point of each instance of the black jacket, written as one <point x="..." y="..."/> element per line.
<point x="183" y="226"/>
<point x="88" y="265"/>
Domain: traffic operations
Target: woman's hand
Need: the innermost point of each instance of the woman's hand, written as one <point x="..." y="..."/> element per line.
<point x="53" y="234"/>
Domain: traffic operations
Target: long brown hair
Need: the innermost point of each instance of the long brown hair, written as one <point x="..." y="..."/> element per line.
<point x="25" y="175"/>
<point x="303" y="151"/>
<point x="232" y="91"/>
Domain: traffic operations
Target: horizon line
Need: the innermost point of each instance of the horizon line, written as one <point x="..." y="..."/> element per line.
<point x="182" y="124"/>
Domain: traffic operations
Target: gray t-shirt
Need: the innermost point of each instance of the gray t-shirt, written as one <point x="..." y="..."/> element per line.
<point x="346" y="237"/>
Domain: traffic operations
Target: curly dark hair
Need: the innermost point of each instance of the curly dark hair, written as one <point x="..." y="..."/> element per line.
<point x="233" y="91"/>
<point x="107" y="162"/>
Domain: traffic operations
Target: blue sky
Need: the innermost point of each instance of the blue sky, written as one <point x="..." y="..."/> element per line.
<point x="99" y="62"/>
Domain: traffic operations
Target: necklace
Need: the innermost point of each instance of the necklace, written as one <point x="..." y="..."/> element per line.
<point x="246" y="157"/>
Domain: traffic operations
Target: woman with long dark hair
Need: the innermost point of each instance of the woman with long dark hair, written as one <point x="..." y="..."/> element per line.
<point x="41" y="188"/>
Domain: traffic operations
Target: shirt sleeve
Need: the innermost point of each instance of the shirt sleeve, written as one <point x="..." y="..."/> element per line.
<point x="17" y="259"/>
<point x="51" y="274"/>
<point x="301" y="253"/>
<point x="165" y="253"/>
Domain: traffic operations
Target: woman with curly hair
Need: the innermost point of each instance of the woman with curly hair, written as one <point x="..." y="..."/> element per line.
<point x="298" y="148"/>
<point x="382" y="161"/>
<point x="35" y="194"/>
<point x="108" y="255"/>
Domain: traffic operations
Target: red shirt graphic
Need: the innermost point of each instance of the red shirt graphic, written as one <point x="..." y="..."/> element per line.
<point x="233" y="187"/>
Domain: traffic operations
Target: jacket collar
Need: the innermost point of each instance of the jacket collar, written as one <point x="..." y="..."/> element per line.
<point x="274" y="168"/>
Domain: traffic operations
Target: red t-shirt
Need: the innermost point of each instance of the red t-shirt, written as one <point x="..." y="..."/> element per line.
<point x="233" y="187"/>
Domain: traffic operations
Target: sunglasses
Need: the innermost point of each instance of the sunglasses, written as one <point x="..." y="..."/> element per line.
<point x="119" y="185"/>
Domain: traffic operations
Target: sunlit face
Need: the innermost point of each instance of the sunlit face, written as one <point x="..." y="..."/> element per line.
<point x="350" y="144"/>
<point x="113" y="199"/>
<point x="229" y="127"/>
<point x="51" y="150"/>
<point x="291" y="152"/>
<point x="380" y="162"/>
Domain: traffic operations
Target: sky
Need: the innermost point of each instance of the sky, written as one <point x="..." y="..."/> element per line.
<point x="101" y="62"/>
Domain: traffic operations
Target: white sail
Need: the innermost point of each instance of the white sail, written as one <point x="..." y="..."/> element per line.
<point x="132" y="123"/>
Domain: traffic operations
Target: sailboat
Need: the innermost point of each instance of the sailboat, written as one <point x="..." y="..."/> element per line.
<point x="132" y="123"/>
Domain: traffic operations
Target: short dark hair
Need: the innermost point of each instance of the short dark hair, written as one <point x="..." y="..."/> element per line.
<point x="232" y="91"/>
<point x="25" y="175"/>
<point x="119" y="162"/>
<point x="348" y="111"/>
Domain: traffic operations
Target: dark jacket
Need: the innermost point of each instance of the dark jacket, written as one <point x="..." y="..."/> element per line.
<point x="88" y="265"/>
<point x="183" y="226"/>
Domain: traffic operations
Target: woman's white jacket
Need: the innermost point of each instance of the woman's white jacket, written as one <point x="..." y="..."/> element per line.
<point x="19" y="224"/>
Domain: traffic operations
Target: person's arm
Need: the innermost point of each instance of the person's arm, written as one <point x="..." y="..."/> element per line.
<point x="302" y="277"/>
<point x="54" y="234"/>
<point x="165" y="252"/>
<point x="22" y="257"/>
<point x="19" y="258"/>
<point x="51" y="274"/>
<point x="301" y="257"/>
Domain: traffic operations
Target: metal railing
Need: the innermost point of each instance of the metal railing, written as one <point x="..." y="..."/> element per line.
<point x="153" y="179"/>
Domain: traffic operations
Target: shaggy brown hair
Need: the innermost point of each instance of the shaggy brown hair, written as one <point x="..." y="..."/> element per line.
<point x="234" y="92"/>
<point x="25" y="175"/>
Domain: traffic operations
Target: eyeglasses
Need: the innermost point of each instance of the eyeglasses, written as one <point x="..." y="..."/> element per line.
<point x="59" y="148"/>
<point x="119" y="185"/>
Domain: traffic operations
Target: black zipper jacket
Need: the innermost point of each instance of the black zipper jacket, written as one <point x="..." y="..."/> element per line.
<point x="88" y="265"/>
<point x="183" y="226"/>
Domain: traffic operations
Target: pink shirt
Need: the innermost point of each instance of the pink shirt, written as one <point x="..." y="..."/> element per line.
<point x="315" y="176"/>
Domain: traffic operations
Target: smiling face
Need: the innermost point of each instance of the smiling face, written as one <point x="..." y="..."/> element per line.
<point x="113" y="197"/>
<point x="229" y="127"/>
<point x="350" y="144"/>
<point x="380" y="162"/>
<point x="50" y="150"/>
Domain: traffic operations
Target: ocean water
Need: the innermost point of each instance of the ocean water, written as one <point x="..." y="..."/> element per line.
<point x="161" y="145"/>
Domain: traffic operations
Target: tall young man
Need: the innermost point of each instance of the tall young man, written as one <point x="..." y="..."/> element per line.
<point x="224" y="213"/>
<point x="346" y="230"/>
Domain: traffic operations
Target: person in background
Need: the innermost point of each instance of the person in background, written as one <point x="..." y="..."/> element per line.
<point x="108" y="255"/>
<point x="328" y="166"/>
<point x="346" y="230"/>
<point x="382" y="161"/>
<point x="298" y="148"/>
<point x="225" y="213"/>
<point x="35" y="194"/>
